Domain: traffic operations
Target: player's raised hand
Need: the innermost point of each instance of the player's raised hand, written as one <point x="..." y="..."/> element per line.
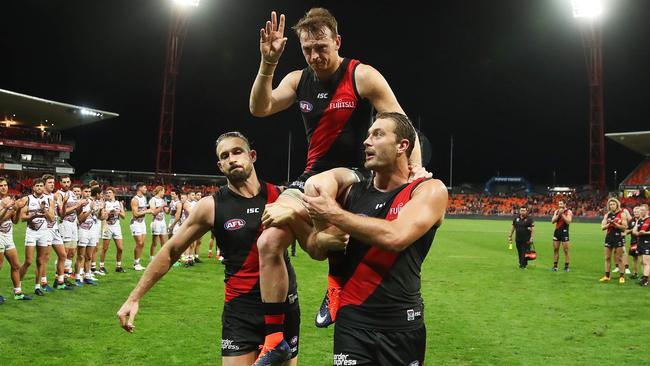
<point x="272" y="39"/>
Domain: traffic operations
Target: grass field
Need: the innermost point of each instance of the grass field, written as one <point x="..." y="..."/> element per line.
<point x="480" y="309"/>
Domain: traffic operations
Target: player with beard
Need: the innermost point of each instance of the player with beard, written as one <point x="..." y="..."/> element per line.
<point x="68" y="204"/>
<point x="233" y="214"/>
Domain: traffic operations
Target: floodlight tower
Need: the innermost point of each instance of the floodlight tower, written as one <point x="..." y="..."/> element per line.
<point x="588" y="12"/>
<point x="181" y="11"/>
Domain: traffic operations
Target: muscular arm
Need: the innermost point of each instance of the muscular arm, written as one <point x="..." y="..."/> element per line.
<point x="264" y="100"/>
<point x="425" y="209"/>
<point x="567" y="216"/>
<point x="374" y="87"/>
<point x="134" y="209"/>
<point x="196" y="225"/>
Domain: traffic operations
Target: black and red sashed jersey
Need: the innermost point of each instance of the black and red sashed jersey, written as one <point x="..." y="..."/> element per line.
<point x="336" y="118"/>
<point x="237" y="226"/>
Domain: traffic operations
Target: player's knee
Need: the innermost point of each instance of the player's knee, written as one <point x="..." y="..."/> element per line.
<point x="271" y="245"/>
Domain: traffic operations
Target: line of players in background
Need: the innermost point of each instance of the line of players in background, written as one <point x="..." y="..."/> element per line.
<point x="617" y="222"/>
<point x="72" y="220"/>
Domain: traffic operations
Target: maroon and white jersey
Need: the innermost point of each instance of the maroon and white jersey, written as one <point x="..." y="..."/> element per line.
<point x="114" y="206"/>
<point x="50" y="196"/>
<point x="158" y="202"/>
<point x="88" y="223"/>
<point x="142" y="206"/>
<point x="7" y="226"/>
<point x="70" y="200"/>
<point x="37" y="205"/>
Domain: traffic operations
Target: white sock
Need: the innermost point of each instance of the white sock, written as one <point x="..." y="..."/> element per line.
<point x="61" y="278"/>
<point x="101" y="264"/>
<point x="151" y="257"/>
<point x="137" y="261"/>
<point x="44" y="279"/>
<point x="37" y="286"/>
<point x="68" y="263"/>
<point x="17" y="290"/>
<point x="118" y="264"/>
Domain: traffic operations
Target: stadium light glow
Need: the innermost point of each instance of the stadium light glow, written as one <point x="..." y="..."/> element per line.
<point x="587" y="8"/>
<point x="88" y="112"/>
<point x="187" y="3"/>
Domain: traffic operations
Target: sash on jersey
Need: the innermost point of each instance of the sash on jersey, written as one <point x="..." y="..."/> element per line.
<point x="377" y="262"/>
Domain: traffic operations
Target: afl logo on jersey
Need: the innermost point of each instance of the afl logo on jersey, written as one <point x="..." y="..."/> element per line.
<point x="305" y="106"/>
<point x="234" y="224"/>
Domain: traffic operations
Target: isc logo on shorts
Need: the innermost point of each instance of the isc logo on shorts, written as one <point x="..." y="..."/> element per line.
<point x="234" y="224"/>
<point x="305" y="106"/>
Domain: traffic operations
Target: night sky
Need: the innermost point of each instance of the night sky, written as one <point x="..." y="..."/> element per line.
<point x="507" y="78"/>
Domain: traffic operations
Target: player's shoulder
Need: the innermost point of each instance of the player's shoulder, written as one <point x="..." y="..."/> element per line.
<point x="433" y="189"/>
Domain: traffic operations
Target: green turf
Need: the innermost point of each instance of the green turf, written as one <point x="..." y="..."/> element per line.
<point x="480" y="309"/>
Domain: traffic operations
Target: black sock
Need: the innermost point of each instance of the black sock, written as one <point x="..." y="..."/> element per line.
<point x="274" y="317"/>
<point x="566" y="265"/>
<point x="606" y="274"/>
<point x="644" y="278"/>
<point x="627" y="266"/>
<point x="554" y="264"/>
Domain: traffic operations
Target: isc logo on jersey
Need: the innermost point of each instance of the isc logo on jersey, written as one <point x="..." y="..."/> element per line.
<point x="234" y="224"/>
<point x="305" y="106"/>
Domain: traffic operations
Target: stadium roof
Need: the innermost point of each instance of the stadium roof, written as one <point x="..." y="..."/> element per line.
<point x="638" y="141"/>
<point x="31" y="111"/>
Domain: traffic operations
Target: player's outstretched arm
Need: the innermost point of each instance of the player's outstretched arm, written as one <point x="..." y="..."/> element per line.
<point x="425" y="209"/>
<point x="196" y="225"/>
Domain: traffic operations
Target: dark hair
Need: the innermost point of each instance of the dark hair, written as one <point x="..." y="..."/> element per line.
<point x="314" y="21"/>
<point x="84" y="187"/>
<point x="110" y="189"/>
<point x="95" y="191"/>
<point x="232" y="134"/>
<point x="62" y="177"/>
<point x="403" y="128"/>
<point x="47" y="177"/>
<point x="37" y="181"/>
<point x="138" y="185"/>
<point x="3" y="179"/>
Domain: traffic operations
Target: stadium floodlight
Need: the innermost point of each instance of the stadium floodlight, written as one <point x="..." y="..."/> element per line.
<point x="587" y="8"/>
<point x="187" y="3"/>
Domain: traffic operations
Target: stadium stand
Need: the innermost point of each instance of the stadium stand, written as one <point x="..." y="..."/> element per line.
<point x="31" y="142"/>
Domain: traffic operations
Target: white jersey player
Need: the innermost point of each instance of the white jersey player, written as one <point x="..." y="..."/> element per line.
<point x="158" y="224"/>
<point x="115" y="211"/>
